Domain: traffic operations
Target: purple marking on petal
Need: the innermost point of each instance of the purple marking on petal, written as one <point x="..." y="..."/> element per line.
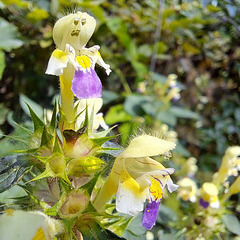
<point x="203" y="203"/>
<point x="150" y="214"/>
<point x="86" y="84"/>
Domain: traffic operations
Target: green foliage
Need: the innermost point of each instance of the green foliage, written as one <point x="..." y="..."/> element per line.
<point x="12" y="170"/>
<point x="232" y="223"/>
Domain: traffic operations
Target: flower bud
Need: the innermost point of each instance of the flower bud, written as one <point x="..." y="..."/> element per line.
<point x="73" y="203"/>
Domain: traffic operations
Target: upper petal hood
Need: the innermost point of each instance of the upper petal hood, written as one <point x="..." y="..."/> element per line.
<point x="147" y="146"/>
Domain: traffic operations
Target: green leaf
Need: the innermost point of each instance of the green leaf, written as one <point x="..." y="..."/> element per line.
<point x="12" y="194"/>
<point x="37" y="122"/>
<point x="91" y="184"/>
<point x="12" y="169"/>
<point x="13" y="142"/>
<point x="4" y="111"/>
<point x="117" y="114"/>
<point x="167" y="117"/>
<point x="25" y="102"/>
<point x="232" y="223"/>
<point x="37" y="15"/>
<point x="2" y="63"/>
<point x="53" y="122"/>
<point x="53" y="211"/>
<point x="183" y="113"/>
<point x="135" y="230"/>
<point x="100" y="141"/>
<point x="46" y="139"/>
<point x="170" y="236"/>
<point x="166" y="215"/>
<point x="133" y="104"/>
<point x="95" y="232"/>
<point x="9" y="40"/>
<point x="109" y="96"/>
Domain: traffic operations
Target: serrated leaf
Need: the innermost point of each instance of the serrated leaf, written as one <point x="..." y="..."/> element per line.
<point x="90" y="185"/>
<point x="37" y="122"/>
<point x="53" y="211"/>
<point x="100" y="141"/>
<point x="57" y="147"/>
<point x="232" y="223"/>
<point x="46" y="137"/>
<point x="53" y="123"/>
<point x="103" y="133"/>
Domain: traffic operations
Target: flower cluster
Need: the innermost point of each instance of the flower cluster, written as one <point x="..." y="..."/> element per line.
<point x="209" y="202"/>
<point x="70" y="155"/>
<point x="209" y="192"/>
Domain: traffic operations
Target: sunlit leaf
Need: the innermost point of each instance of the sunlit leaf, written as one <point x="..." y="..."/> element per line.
<point x="9" y="40"/>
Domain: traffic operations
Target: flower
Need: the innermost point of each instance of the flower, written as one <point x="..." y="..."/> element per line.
<point x="72" y="60"/>
<point x="209" y="195"/>
<point x="73" y="203"/>
<point x="171" y="80"/>
<point x="174" y="93"/>
<point x="230" y="165"/>
<point x="190" y="167"/>
<point x="135" y="178"/>
<point x="234" y="189"/>
<point x="21" y="225"/>
<point x="187" y="189"/>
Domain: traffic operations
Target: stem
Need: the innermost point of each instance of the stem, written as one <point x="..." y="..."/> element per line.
<point x="157" y="36"/>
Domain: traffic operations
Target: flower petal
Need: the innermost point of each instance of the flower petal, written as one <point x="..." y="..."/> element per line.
<point x="130" y="196"/>
<point x="203" y="203"/>
<point x="171" y="186"/>
<point x="150" y="214"/>
<point x="57" y="62"/>
<point x="127" y="201"/>
<point x="86" y="84"/>
<point x="147" y="146"/>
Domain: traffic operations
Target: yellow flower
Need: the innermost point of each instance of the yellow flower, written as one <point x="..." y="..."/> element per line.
<point x="135" y="178"/>
<point x="230" y="165"/>
<point x="209" y="195"/>
<point x="190" y="167"/>
<point x="74" y="63"/>
<point x="71" y="34"/>
<point x="187" y="189"/>
<point x="234" y="189"/>
<point x="31" y="225"/>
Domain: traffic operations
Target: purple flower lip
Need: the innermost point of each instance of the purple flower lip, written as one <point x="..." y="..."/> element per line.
<point x="150" y="214"/>
<point x="86" y="84"/>
<point x="203" y="203"/>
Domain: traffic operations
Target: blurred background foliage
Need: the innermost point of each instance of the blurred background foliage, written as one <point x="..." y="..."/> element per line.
<point x="144" y="42"/>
